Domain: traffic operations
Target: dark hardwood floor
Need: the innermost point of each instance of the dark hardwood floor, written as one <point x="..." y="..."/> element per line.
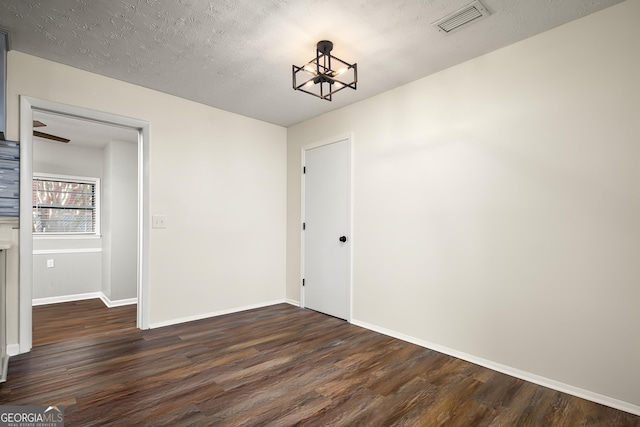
<point x="275" y="366"/>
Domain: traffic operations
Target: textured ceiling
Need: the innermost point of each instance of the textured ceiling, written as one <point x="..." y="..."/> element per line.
<point x="237" y="54"/>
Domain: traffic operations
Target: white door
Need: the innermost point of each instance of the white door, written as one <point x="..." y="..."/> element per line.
<point x="327" y="202"/>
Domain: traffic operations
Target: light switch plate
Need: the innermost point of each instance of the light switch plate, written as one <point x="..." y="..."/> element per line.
<point x="159" y="221"/>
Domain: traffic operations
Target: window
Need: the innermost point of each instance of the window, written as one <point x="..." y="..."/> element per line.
<point x="66" y="205"/>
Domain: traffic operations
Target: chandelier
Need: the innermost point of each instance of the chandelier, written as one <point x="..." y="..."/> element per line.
<point x="325" y="74"/>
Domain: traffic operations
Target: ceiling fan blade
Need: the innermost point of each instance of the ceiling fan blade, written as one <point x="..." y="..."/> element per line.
<point x="38" y="124"/>
<point x="49" y="136"/>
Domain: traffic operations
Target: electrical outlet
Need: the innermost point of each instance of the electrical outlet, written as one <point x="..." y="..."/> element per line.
<point x="50" y="263"/>
<point x="159" y="221"/>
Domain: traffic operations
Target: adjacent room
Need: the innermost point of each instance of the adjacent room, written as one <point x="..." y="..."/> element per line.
<point x="276" y="213"/>
<point x="91" y="254"/>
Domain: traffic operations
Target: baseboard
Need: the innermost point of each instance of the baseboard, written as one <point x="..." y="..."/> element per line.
<point x="79" y="297"/>
<point x="292" y="302"/>
<point x="117" y="303"/>
<point x="13" y="349"/>
<point x="214" y="314"/>
<point x="66" y="298"/>
<point x="4" y="368"/>
<point x="523" y="375"/>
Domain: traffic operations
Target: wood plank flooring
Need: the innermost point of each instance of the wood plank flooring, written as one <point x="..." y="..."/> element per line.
<point x="274" y="366"/>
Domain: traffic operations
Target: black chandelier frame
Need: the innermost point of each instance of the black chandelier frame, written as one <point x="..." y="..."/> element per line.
<point x="322" y="73"/>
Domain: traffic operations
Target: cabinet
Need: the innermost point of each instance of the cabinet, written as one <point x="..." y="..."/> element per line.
<point x="9" y="179"/>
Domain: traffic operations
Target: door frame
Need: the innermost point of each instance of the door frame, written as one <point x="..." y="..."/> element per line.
<point x="27" y="106"/>
<point x="349" y="138"/>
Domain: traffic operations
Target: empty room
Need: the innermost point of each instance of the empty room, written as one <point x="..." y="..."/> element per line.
<point x="416" y="213"/>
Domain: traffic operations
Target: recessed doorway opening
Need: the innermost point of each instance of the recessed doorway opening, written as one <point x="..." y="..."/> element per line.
<point x="31" y="109"/>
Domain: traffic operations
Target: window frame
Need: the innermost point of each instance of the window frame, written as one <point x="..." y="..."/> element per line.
<point x="95" y="181"/>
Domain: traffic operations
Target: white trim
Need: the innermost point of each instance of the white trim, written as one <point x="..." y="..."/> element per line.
<point x="26" y="234"/>
<point x="214" y="314"/>
<point x="80" y="297"/>
<point x="27" y="106"/>
<point x="117" y="303"/>
<point x="4" y="368"/>
<point x="517" y="373"/>
<point x="302" y="221"/>
<point x="351" y="228"/>
<point x="66" y="298"/>
<point x="52" y="236"/>
<point x="293" y="302"/>
<point x="66" y="251"/>
<point x="67" y="178"/>
<point x="143" y="227"/>
<point x="327" y="141"/>
<point x="13" y="350"/>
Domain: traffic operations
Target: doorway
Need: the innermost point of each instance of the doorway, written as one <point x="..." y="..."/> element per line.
<point x="327" y="228"/>
<point x="28" y="106"/>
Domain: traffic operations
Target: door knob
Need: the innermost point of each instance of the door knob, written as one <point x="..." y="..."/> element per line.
<point x="343" y="239"/>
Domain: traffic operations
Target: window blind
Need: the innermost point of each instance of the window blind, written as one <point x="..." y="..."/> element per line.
<point x="64" y="206"/>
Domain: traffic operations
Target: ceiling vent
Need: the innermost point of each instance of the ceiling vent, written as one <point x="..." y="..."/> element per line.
<point x="472" y="12"/>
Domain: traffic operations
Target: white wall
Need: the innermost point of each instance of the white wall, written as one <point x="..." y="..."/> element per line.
<point x="497" y="205"/>
<point x="119" y="220"/>
<point x="66" y="159"/>
<point x="77" y="261"/>
<point x="61" y="159"/>
<point x="220" y="179"/>
<point x="88" y="265"/>
<point x="74" y="274"/>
